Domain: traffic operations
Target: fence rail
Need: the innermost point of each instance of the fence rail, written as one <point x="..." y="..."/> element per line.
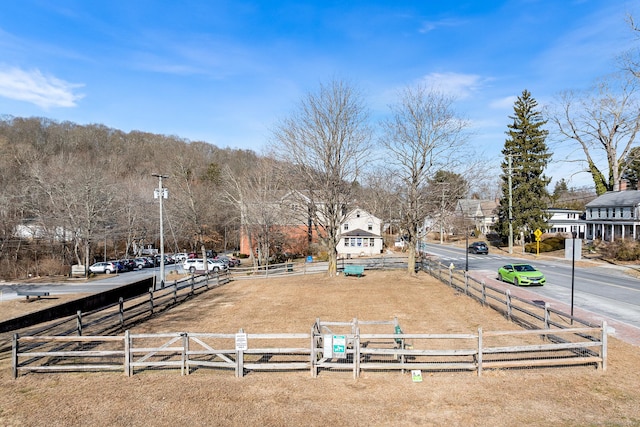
<point x="114" y="318"/>
<point x="329" y="346"/>
<point x="529" y="314"/>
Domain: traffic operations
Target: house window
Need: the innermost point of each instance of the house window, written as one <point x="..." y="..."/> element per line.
<point x="599" y="213"/>
<point x="372" y="242"/>
<point x="370" y="226"/>
<point x="613" y="213"/>
<point x="359" y="242"/>
<point x="346" y="241"/>
<point x="345" y="227"/>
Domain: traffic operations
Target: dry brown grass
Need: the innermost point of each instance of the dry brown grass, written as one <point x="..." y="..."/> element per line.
<point x="568" y="397"/>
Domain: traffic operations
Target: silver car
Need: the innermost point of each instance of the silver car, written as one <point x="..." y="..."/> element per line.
<point x="103" y="267"/>
<point x="196" y="264"/>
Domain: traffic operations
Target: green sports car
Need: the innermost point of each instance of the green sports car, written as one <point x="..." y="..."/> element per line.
<point x="521" y="275"/>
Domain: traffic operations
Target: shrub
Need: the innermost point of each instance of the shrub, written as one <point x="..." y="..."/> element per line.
<point x="622" y="250"/>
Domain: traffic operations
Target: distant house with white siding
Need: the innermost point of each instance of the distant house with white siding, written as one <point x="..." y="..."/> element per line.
<point x="360" y="235"/>
<point x="566" y="221"/>
<point x="613" y="215"/>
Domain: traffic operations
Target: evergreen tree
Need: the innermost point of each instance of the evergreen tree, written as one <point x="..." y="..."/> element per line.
<point x="525" y="146"/>
<point x="632" y="168"/>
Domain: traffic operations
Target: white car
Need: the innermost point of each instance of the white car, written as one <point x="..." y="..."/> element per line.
<point x="181" y="257"/>
<point x="104" y="267"/>
<point x="196" y="264"/>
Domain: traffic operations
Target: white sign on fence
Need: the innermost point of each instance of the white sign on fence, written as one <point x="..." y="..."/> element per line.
<point x="339" y="346"/>
<point x="327" y="346"/>
<point x="241" y="342"/>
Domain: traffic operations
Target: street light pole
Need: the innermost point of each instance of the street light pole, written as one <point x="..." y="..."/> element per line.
<point x="573" y="268"/>
<point x="161" y="193"/>
<point x="466" y="263"/>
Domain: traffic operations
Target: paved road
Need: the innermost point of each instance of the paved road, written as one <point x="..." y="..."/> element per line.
<point x="600" y="288"/>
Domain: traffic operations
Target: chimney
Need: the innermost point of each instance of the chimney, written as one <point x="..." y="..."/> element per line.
<point x="623" y="185"/>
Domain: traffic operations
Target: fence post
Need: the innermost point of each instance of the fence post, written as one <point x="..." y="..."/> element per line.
<point x="484" y="293"/>
<point x="128" y="371"/>
<point x="240" y="360"/>
<point x="79" y="322"/>
<point x="313" y="351"/>
<point x="14" y="355"/>
<point x="356" y="354"/>
<point x="175" y="292"/>
<point x="547" y="315"/>
<point x="466" y="283"/>
<point x="479" y="352"/>
<point x="603" y="341"/>
<point x="185" y="351"/>
<point x="151" y="300"/>
<point x="121" y="310"/>
<point x="507" y="297"/>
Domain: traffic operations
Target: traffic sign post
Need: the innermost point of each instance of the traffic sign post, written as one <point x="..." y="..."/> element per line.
<point x="538" y="234"/>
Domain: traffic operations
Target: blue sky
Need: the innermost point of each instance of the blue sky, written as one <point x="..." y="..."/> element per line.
<point x="225" y="71"/>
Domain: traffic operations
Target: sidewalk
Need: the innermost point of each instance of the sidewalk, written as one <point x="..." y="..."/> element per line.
<point x="617" y="329"/>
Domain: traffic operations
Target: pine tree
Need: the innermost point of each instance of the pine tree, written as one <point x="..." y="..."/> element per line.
<point x="526" y="147"/>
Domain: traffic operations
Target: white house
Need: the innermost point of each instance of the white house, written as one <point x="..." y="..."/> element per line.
<point x="614" y="215"/>
<point x="360" y="235"/>
<point x="482" y="213"/>
<point x="566" y="221"/>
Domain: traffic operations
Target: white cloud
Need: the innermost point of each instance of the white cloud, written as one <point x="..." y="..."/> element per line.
<point x="36" y="88"/>
<point x="459" y="85"/>
<point x="503" y="103"/>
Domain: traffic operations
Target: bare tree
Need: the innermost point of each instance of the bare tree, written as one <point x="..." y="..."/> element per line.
<point x="327" y="141"/>
<point x="195" y="179"/>
<point x="603" y="122"/>
<point x="255" y="193"/>
<point x="421" y="135"/>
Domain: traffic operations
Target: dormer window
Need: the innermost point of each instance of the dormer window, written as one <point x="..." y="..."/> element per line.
<point x="345" y="227"/>
<point x="370" y="227"/>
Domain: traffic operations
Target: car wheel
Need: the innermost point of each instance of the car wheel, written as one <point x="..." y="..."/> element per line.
<point x="107" y="271"/>
<point x="516" y="281"/>
<point x="499" y="277"/>
<point x="215" y="269"/>
<point x="192" y="270"/>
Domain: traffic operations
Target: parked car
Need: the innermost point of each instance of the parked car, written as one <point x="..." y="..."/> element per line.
<point x="196" y="264"/>
<point x="230" y="261"/>
<point x="478" y="248"/>
<point x="145" y="262"/>
<point x="181" y="256"/>
<point x="104" y="267"/>
<point x="129" y="264"/>
<point x="521" y="275"/>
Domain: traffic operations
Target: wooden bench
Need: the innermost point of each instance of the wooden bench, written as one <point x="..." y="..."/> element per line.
<point x="28" y="294"/>
<point x="353" y="270"/>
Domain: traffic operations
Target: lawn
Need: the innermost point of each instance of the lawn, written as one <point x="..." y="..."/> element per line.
<point x="575" y="396"/>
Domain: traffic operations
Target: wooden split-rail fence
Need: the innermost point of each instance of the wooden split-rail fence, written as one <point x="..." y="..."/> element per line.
<point x="327" y="347"/>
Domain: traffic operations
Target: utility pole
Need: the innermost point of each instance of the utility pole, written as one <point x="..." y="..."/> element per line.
<point x="442" y="213"/>
<point x="161" y="193"/>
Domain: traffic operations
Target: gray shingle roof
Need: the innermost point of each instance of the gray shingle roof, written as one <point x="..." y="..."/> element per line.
<point x="616" y="199"/>
<point x="359" y="233"/>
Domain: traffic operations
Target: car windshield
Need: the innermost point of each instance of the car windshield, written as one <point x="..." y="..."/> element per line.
<point x="525" y="267"/>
